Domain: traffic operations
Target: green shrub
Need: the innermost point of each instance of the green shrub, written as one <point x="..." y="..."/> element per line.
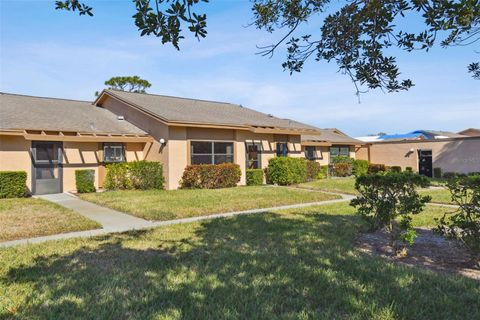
<point x="341" y="159"/>
<point x="323" y="174"/>
<point x="375" y="168"/>
<point x="360" y="167"/>
<point x="386" y="197"/>
<point x="85" y="180"/>
<point x="254" y="177"/>
<point x="146" y="175"/>
<point x="409" y="169"/>
<point x="117" y="177"/>
<point x="395" y="169"/>
<point x="450" y="175"/>
<point x="437" y="173"/>
<point x="313" y="170"/>
<point x="464" y="223"/>
<point x="285" y="170"/>
<point x="341" y="169"/>
<point x="211" y="176"/>
<point x="13" y="184"/>
<point x="134" y="175"/>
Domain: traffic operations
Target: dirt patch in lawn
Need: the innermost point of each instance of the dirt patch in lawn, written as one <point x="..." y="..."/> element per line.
<point x="430" y="251"/>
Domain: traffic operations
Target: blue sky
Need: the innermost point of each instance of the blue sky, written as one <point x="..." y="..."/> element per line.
<point x="52" y="53"/>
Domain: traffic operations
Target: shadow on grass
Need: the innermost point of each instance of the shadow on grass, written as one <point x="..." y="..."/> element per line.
<point x="257" y="266"/>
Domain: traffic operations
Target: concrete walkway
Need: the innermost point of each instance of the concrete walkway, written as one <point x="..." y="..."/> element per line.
<point x="111" y="220"/>
<point x="114" y="221"/>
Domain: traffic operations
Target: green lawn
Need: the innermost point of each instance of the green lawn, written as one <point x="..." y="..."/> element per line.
<point x="424" y="219"/>
<point x="347" y="185"/>
<point x="174" y="204"/>
<point x="342" y="185"/>
<point x="295" y="264"/>
<point x="29" y="217"/>
<point x="438" y="195"/>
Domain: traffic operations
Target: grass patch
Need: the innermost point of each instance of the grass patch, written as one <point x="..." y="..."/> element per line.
<point x="291" y="264"/>
<point x="438" y="195"/>
<point x="174" y="204"/>
<point x="424" y="219"/>
<point x="342" y="185"/>
<point x="29" y="217"/>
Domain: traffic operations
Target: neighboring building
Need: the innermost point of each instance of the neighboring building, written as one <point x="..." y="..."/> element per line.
<point x="414" y="135"/>
<point x="328" y="144"/>
<point x="51" y="138"/>
<point x="454" y="154"/>
<point x="471" y="132"/>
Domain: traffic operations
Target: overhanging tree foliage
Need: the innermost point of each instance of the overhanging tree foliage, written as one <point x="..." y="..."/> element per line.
<point x="355" y="34"/>
<point x="129" y="83"/>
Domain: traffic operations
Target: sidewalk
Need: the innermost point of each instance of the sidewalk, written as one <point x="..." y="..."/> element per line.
<point x="114" y="221"/>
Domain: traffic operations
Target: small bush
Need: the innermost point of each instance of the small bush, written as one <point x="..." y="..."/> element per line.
<point x="385" y="197"/>
<point x="360" y="167"/>
<point x="117" y="177"/>
<point x="323" y="174"/>
<point x="437" y="173"/>
<point x="409" y="169"/>
<point x="375" y="168"/>
<point x="464" y="223"/>
<point x="85" y="181"/>
<point x="395" y="169"/>
<point x="211" y="176"/>
<point x="254" y="177"/>
<point x="450" y="175"/>
<point x="13" y="184"/>
<point x="341" y="159"/>
<point x="146" y="175"/>
<point x="341" y="169"/>
<point x="285" y="170"/>
<point x="313" y="170"/>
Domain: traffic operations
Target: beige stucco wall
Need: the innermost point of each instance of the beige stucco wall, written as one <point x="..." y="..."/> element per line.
<point x="460" y="155"/>
<point x="15" y="155"/>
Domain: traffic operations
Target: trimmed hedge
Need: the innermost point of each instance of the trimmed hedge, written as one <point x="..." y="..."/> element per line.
<point x="146" y="175"/>
<point x="13" y="184"/>
<point x="134" y="175"/>
<point x="341" y="169"/>
<point x="437" y="173"/>
<point x="254" y="177"/>
<point x="117" y="177"/>
<point x="395" y="169"/>
<point x="360" y="167"/>
<point x="323" y="174"/>
<point x="85" y="180"/>
<point x="313" y="170"/>
<point x="375" y="168"/>
<point x="342" y="159"/>
<point x="211" y="176"/>
<point x="286" y="170"/>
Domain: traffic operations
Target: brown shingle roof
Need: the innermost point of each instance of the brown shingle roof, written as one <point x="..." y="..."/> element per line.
<point x="174" y="109"/>
<point x="332" y="135"/>
<point x="37" y="113"/>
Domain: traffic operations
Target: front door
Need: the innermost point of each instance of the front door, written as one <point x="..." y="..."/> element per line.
<point x="47" y="167"/>
<point x="425" y="162"/>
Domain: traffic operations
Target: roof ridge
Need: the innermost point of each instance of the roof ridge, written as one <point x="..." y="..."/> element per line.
<point x="30" y="96"/>
<point x="176" y="97"/>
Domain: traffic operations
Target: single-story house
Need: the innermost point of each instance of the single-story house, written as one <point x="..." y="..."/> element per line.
<point x="424" y="150"/>
<point x="330" y="143"/>
<point x="50" y="138"/>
